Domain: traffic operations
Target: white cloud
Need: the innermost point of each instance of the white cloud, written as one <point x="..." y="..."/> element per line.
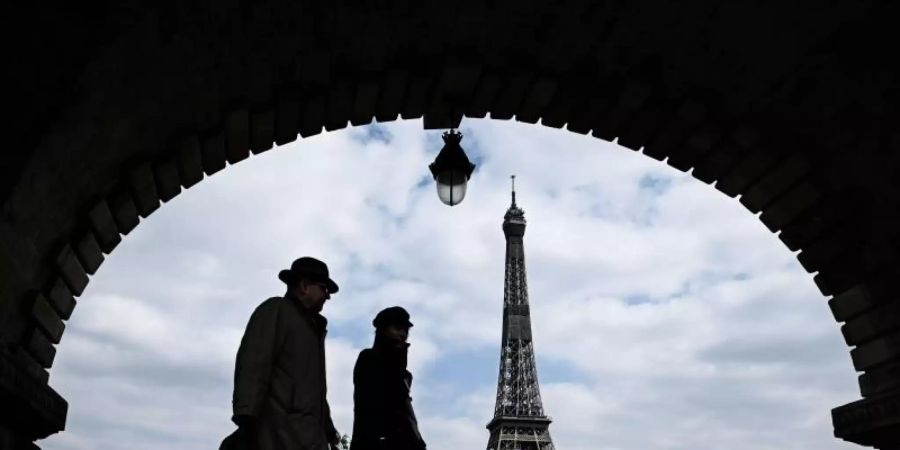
<point x="665" y="315"/>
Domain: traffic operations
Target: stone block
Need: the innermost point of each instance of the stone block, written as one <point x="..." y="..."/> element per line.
<point x="40" y="348"/>
<point x="697" y="146"/>
<point x="417" y="97"/>
<point x="313" y="115"/>
<point x="316" y="70"/>
<point x="454" y="87"/>
<point x="393" y="91"/>
<point x="71" y="270"/>
<point x="809" y="226"/>
<point x="750" y="168"/>
<point x="88" y="252"/>
<point x="441" y="116"/>
<point x="858" y="261"/>
<point x="124" y="211"/>
<point x="262" y="131"/>
<point x="12" y="280"/>
<point x="880" y="380"/>
<point x="816" y="254"/>
<point x="643" y="127"/>
<point x="340" y="102"/>
<point x="572" y="93"/>
<point x="487" y="89"/>
<point x="364" y="103"/>
<point x="47" y="319"/>
<point x="538" y="98"/>
<point x="597" y="107"/>
<point x="214" y="158"/>
<point x="612" y="123"/>
<point x="143" y="190"/>
<point x="104" y="226"/>
<point x="873" y="422"/>
<point x="678" y="129"/>
<point x="775" y="183"/>
<point x="26" y="366"/>
<point x="872" y="323"/>
<point x="61" y="298"/>
<point x="718" y="161"/>
<point x="789" y="206"/>
<point x="190" y="161"/>
<point x="37" y="410"/>
<point x="237" y="136"/>
<point x="877" y="351"/>
<point x="167" y="181"/>
<point x="457" y="81"/>
<point x="634" y="95"/>
<point x="876" y="290"/>
<point x="287" y="120"/>
<point x="840" y="274"/>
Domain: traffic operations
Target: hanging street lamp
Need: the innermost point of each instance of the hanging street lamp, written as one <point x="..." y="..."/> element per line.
<point x="451" y="169"/>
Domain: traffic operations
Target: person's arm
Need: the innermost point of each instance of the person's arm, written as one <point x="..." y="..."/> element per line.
<point x="254" y="363"/>
<point x="365" y="383"/>
<point x="331" y="432"/>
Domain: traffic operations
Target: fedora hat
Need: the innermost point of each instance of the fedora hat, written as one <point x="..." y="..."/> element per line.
<point x="310" y="269"/>
<point x="395" y="315"/>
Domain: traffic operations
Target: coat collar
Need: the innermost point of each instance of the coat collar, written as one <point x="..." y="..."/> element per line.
<point x="318" y="320"/>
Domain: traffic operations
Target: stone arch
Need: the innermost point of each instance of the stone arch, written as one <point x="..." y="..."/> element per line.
<point x="178" y="93"/>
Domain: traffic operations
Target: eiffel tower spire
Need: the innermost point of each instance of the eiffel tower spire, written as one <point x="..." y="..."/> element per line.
<point x="519" y="421"/>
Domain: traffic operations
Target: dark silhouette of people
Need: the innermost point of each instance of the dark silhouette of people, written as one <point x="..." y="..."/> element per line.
<point x="279" y="397"/>
<point x="383" y="417"/>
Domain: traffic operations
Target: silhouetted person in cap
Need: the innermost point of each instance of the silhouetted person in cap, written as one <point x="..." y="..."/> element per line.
<point x="279" y="397"/>
<point x="383" y="416"/>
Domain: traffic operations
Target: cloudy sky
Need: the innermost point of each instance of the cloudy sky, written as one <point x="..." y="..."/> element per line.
<point x="665" y="315"/>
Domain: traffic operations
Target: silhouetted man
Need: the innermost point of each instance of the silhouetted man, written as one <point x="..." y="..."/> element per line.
<point x="279" y="398"/>
<point x="383" y="416"/>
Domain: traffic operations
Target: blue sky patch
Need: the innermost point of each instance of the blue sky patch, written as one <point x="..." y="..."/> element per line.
<point x="373" y="133"/>
<point x="655" y="185"/>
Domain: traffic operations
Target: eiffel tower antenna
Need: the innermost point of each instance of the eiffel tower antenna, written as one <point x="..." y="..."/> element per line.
<point x="519" y="421"/>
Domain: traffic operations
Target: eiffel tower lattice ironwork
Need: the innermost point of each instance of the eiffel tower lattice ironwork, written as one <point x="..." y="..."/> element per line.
<point x="519" y="421"/>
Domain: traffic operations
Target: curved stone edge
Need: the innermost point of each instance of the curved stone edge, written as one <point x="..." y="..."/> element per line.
<point x="873" y="422"/>
<point x="31" y="406"/>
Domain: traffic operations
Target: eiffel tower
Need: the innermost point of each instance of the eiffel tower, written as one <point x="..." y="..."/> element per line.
<point x="519" y="421"/>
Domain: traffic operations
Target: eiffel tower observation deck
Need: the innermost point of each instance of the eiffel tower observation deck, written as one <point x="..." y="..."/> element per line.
<point x="519" y="421"/>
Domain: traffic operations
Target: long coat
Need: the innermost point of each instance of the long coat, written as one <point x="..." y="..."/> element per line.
<point x="383" y="416"/>
<point x="279" y="377"/>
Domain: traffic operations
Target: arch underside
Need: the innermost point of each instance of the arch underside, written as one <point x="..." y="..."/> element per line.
<point x="793" y="112"/>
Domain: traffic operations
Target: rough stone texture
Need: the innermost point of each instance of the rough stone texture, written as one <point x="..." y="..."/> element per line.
<point x="190" y="161"/>
<point x="793" y="109"/>
<point x="47" y="319"/>
<point x="865" y="296"/>
<point x="104" y="227"/>
<point x="880" y="380"/>
<point x="237" y="136"/>
<point x="775" y="182"/>
<point x="214" y="153"/>
<point x="876" y="352"/>
<point x="124" y="211"/>
<point x="873" y="421"/>
<point x="143" y="189"/>
<point x="166" y="179"/>
<point x="39" y="410"/>
<point x="89" y="253"/>
<point x="71" y="270"/>
<point x="872" y="323"/>
<point x="40" y="348"/>
<point x="61" y="298"/>
<point x="262" y="131"/>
